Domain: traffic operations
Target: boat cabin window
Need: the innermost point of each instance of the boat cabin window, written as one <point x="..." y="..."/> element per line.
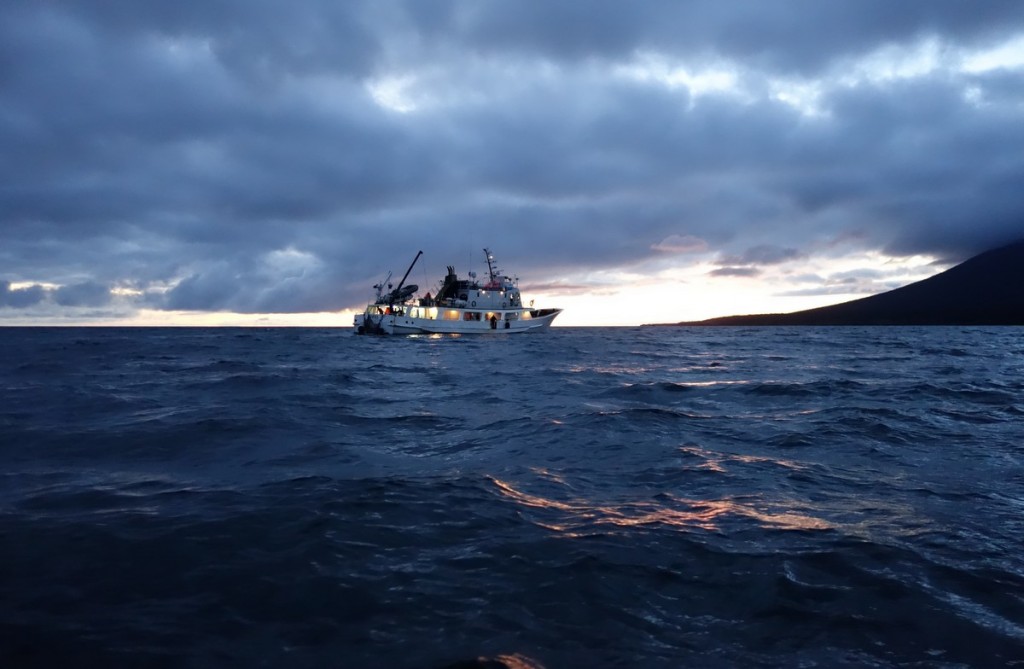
<point x="450" y="315"/>
<point x="471" y="316"/>
<point x="429" y="313"/>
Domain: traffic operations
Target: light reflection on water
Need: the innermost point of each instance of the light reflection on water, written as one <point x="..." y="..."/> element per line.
<point x="716" y="461"/>
<point x="581" y="516"/>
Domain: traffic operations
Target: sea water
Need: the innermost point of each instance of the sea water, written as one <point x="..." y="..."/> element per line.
<point x="593" y="497"/>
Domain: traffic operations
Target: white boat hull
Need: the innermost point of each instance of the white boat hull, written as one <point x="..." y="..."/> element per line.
<point x="402" y="324"/>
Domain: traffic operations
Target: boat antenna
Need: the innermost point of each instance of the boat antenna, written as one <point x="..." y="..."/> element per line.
<point x="490" y="264"/>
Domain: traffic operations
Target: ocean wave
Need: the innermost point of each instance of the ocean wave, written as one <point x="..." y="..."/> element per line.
<point x="589" y="497"/>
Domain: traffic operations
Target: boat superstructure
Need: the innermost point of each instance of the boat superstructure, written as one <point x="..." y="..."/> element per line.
<point x="460" y="306"/>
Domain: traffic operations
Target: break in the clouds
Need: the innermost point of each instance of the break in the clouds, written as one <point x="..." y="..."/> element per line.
<point x="259" y="157"/>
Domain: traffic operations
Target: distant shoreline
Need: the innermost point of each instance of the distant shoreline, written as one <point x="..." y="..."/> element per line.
<point x="981" y="291"/>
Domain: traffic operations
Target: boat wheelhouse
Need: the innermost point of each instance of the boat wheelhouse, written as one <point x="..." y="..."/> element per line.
<point x="460" y="306"/>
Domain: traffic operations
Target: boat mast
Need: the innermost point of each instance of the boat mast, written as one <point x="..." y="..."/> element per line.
<point x="490" y="264"/>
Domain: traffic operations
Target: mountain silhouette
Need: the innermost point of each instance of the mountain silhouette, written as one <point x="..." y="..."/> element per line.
<point x="987" y="289"/>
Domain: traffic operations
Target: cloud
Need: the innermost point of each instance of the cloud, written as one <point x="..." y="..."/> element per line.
<point x="735" y="271"/>
<point x="681" y="244"/>
<point x="857" y="281"/>
<point x="19" y="298"/>
<point x="797" y="36"/>
<point x="238" y="156"/>
<point x="85" y="294"/>
<point x="763" y="254"/>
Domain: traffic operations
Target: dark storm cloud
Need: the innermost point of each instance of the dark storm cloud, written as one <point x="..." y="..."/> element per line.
<point x="252" y="156"/>
<point x="85" y="294"/>
<point x="256" y="38"/>
<point x="19" y="298"/>
<point x="797" y="36"/>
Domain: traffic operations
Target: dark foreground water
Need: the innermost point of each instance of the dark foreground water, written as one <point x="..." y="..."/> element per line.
<point x="841" y="497"/>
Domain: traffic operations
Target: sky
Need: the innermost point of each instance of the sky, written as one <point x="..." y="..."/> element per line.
<point x="247" y="162"/>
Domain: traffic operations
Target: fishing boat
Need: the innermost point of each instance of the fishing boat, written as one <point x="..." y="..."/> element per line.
<point x="460" y="306"/>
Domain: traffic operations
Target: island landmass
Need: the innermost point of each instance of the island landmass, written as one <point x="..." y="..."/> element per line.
<point x="987" y="289"/>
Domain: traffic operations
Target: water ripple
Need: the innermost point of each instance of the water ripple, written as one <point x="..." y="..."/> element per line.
<point x="655" y="497"/>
